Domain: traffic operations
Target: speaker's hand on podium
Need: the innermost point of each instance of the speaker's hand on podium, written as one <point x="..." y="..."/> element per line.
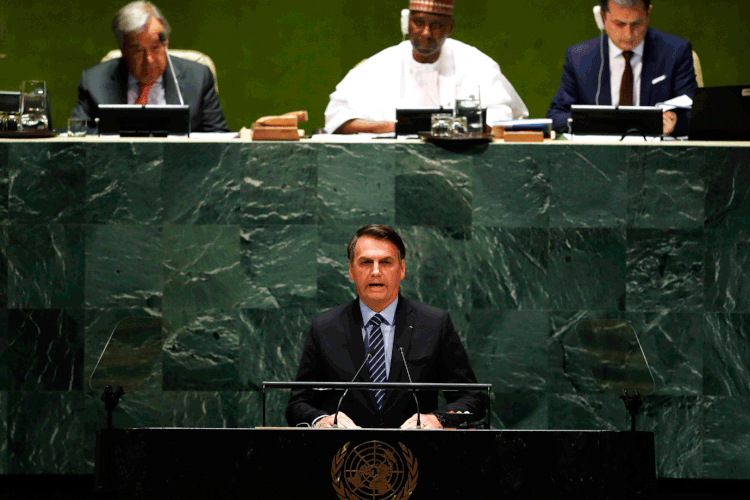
<point x="343" y="422"/>
<point x="427" y="420"/>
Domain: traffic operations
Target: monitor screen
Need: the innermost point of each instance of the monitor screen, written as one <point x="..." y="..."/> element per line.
<point x="150" y="120"/>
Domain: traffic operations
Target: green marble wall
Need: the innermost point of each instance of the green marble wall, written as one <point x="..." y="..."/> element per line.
<point x="239" y="245"/>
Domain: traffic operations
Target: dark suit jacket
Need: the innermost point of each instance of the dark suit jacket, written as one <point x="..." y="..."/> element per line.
<point x="663" y="54"/>
<point x="334" y="350"/>
<point x="107" y="83"/>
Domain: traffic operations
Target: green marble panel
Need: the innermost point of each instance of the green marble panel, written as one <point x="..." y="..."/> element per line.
<point x="524" y="410"/>
<point x="509" y="349"/>
<point x="677" y="424"/>
<point x="673" y="345"/>
<point x="58" y="423"/>
<point x="665" y="188"/>
<point x="251" y="408"/>
<point x="46" y="266"/>
<point x="726" y="365"/>
<point x="271" y="344"/>
<point x="438" y="270"/>
<point x="433" y="187"/>
<point x="124" y="183"/>
<point x="509" y="268"/>
<point x="728" y="270"/>
<point x="279" y="183"/>
<point x="334" y="285"/>
<point x="4" y="184"/>
<point x="461" y="319"/>
<point x="201" y="183"/>
<point x="586" y="269"/>
<point x="47" y="182"/>
<point x="3" y="266"/>
<point x="99" y="325"/>
<point x="356" y="184"/>
<point x="727" y="196"/>
<point x="279" y="266"/>
<point x="569" y="371"/>
<point x="123" y="266"/>
<point x="45" y="349"/>
<point x="3" y="432"/>
<point x="587" y="412"/>
<point x="665" y="270"/>
<point x="202" y="267"/>
<point x="511" y="187"/>
<point x="4" y="377"/>
<point x="726" y="437"/>
<point x="202" y="352"/>
<point x="588" y="186"/>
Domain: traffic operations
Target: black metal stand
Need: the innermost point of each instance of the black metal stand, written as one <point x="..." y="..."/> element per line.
<point x="633" y="403"/>
<point x="103" y="487"/>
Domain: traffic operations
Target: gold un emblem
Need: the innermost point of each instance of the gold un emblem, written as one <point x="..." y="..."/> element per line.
<point x="374" y="471"/>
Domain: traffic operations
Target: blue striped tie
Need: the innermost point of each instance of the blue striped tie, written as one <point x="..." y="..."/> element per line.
<point x="376" y="364"/>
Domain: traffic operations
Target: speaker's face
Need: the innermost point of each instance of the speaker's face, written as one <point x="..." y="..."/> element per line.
<point x="626" y="26"/>
<point x="376" y="271"/>
<point x="144" y="53"/>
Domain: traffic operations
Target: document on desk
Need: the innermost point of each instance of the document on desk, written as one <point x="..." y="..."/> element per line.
<point x="681" y="102"/>
<point x="351" y="137"/>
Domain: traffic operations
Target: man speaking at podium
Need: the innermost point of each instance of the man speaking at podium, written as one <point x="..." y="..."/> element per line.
<point x="389" y="328"/>
<point x="141" y="75"/>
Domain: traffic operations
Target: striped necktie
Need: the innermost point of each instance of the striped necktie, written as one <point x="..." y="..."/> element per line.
<point x="376" y="364"/>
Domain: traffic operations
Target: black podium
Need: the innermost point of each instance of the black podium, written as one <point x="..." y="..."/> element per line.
<point x="303" y="463"/>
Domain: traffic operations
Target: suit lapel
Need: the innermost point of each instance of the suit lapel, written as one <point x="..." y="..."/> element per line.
<point x="120" y="81"/>
<point x="402" y="335"/>
<point x="354" y="344"/>
<point x="648" y="69"/>
<point x="170" y="92"/>
<point x="605" y="98"/>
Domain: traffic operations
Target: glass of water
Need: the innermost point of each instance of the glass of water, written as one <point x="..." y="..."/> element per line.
<point x="469" y="105"/>
<point x="33" y="105"/>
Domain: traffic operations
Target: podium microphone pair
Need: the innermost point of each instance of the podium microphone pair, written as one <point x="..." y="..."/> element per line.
<point x="163" y="40"/>
<point x="370" y="354"/>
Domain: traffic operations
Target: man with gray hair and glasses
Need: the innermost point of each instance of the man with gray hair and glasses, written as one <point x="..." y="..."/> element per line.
<point x="141" y="75"/>
<point x="636" y="66"/>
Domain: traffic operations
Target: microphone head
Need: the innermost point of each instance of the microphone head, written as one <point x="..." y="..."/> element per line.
<point x="370" y="353"/>
<point x="162" y="37"/>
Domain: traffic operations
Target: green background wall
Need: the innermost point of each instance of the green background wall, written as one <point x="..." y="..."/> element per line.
<point x="274" y="57"/>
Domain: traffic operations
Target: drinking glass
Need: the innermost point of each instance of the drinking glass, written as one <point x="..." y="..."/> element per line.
<point x="442" y="125"/>
<point x="469" y="105"/>
<point x="77" y="127"/>
<point x="33" y="105"/>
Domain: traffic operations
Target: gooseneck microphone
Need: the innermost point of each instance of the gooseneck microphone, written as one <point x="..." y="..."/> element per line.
<point x="419" y="421"/>
<point x="370" y="354"/>
<point x="163" y="40"/>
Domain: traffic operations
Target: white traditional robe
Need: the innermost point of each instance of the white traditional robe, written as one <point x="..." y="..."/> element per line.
<point x="393" y="79"/>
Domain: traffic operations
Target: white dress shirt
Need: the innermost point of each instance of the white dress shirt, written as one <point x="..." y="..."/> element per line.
<point x="617" y="68"/>
<point x="392" y="79"/>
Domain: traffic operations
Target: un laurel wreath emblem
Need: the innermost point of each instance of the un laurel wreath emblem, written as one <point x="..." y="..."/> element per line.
<point x="374" y="471"/>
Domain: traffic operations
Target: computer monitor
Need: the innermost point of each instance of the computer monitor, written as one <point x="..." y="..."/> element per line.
<point x="721" y="114"/>
<point x="617" y="120"/>
<point x="150" y="120"/>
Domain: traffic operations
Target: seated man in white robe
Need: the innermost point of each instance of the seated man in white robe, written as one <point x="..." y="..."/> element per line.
<point x="422" y="72"/>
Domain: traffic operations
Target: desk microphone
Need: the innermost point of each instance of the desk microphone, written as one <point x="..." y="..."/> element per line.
<point x="419" y="422"/>
<point x="370" y="354"/>
<point x="163" y="40"/>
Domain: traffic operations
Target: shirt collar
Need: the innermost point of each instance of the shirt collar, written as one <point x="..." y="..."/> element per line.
<point x="132" y="82"/>
<point x="614" y="51"/>
<point x="389" y="313"/>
